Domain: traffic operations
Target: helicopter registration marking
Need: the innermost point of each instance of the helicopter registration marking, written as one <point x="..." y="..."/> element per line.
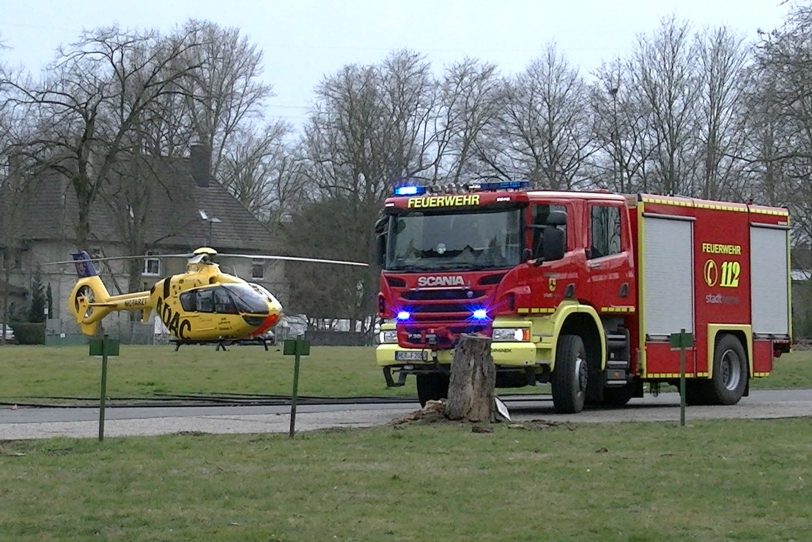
<point x="135" y="303"/>
<point x="172" y="320"/>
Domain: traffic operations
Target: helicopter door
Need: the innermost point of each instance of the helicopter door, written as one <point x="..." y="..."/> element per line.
<point x="200" y="307"/>
<point x="223" y="303"/>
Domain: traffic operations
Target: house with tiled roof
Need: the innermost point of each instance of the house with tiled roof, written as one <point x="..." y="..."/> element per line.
<point x="174" y="207"/>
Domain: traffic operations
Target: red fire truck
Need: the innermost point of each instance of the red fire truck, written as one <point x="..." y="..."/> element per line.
<point x="583" y="290"/>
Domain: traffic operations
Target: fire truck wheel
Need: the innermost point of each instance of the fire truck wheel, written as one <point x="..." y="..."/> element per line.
<point x="431" y="387"/>
<point x="730" y="371"/>
<point x="569" y="377"/>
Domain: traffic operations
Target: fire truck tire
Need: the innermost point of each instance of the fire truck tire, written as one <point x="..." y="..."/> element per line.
<point x="730" y="372"/>
<point x="569" y="378"/>
<point x="431" y="387"/>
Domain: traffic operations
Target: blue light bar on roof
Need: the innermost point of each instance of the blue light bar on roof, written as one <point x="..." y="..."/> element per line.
<point x="501" y="185"/>
<point x="410" y="190"/>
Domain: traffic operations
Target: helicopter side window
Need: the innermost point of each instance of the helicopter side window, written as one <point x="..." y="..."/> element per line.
<point x="205" y="301"/>
<point x="223" y="303"/>
<point x="188" y="300"/>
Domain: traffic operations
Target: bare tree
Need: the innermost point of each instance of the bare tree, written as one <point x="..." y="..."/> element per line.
<point x="100" y="88"/>
<point x="722" y="61"/>
<point x="372" y="126"/>
<point x="469" y="98"/>
<point x="544" y="127"/>
<point x="665" y="74"/>
<point x="784" y="72"/>
<point x="260" y="171"/>
<point x="227" y="92"/>
<point x="621" y="128"/>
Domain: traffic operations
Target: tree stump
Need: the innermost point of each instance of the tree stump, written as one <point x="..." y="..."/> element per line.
<point x="473" y="379"/>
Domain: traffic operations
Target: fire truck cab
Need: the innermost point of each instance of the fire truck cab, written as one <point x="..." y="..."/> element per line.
<point x="583" y="290"/>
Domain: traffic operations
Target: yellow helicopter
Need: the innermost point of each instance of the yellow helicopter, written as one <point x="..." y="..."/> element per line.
<point x="201" y="305"/>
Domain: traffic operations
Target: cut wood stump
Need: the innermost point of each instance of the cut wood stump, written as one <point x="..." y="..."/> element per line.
<point x="473" y="379"/>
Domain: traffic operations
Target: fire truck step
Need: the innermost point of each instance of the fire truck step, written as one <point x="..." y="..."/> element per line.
<point x="617" y="342"/>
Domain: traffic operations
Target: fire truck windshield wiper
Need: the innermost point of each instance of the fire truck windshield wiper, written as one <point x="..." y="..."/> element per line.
<point x="409" y="269"/>
<point x="469" y="266"/>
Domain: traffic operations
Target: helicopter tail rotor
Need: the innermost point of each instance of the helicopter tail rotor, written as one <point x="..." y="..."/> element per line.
<point x="87" y="301"/>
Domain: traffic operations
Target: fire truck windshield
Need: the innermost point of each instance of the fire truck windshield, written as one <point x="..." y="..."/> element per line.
<point x="479" y="239"/>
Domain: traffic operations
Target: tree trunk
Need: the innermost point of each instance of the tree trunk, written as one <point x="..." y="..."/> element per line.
<point x="473" y="378"/>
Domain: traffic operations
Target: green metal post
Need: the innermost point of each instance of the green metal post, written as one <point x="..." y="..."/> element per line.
<point x="102" y="399"/>
<point x="683" y="342"/>
<point x="294" y="396"/>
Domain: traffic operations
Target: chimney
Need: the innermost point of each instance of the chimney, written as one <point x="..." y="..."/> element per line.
<point x="200" y="164"/>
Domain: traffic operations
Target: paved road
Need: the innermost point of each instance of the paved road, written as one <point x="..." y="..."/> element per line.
<point x="33" y="423"/>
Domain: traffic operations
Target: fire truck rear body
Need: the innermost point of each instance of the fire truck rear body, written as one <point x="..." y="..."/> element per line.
<point x="631" y="271"/>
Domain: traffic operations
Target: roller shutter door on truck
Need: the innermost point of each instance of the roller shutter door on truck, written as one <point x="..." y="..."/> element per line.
<point x="668" y="274"/>
<point x="769" y="290"/>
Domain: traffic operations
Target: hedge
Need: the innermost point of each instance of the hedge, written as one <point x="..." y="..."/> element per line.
<point x="29" y="332"/>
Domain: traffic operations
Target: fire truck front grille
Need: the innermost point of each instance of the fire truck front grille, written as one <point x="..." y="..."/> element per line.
<point x="437" y="308"/>
<point x="446" y="295"/>
<point x="420" y="336"/>
<point x="443" y="304"/>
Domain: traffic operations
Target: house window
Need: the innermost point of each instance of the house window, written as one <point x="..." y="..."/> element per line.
<point x="257" y="269"/>
<point x="152" y="266"/>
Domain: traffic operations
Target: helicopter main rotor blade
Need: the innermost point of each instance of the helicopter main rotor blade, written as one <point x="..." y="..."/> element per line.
<point x="115" y="258"/>
<point x="294" y="259"/>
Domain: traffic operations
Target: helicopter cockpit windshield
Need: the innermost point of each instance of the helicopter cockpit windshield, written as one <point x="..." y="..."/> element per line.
<point x="247" y="298"/>
<point x="225" y="299"/>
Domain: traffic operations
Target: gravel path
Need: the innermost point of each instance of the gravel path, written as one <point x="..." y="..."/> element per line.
<point x="28" y="423"/>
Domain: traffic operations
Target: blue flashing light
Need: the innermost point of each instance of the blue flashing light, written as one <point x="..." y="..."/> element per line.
<point x="502" y="185"/>
<point x="410" y="190"/>
<point x="480" y="314"/>
<point x="404" y="315"/>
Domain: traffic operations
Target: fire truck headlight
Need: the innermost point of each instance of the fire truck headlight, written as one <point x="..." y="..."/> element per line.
<point x="388" y="337"/>
<point x="511" y="334"/>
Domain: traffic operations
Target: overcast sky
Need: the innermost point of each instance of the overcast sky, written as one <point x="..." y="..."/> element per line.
<point x="305" y="39"/>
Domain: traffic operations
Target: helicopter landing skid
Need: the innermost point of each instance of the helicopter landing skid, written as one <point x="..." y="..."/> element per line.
<point x="221" y="345"/>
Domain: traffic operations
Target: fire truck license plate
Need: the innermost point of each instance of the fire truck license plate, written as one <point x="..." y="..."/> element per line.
<point x="410" y="355"/>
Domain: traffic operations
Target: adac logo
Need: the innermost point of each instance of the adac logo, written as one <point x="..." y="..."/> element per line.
<point x="711" y="273"/>
<point x="551" y="284"/>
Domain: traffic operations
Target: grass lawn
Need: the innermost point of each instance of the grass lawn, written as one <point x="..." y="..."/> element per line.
<point x="31" y="372"/>
<point x="146" y="371"/>
<point x="723" y="480"/>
